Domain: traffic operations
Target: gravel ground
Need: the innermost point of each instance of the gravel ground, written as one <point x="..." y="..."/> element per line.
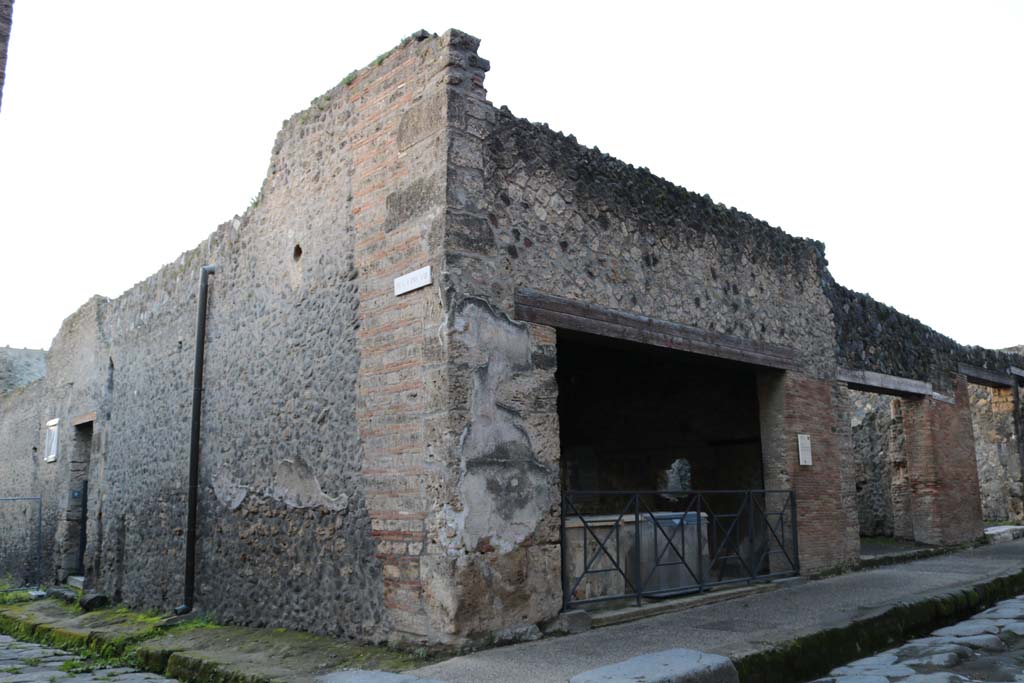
<point x="30" y="663"/>
<point x="986" y="647"/>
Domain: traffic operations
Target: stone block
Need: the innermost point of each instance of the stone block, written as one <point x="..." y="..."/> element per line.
<point x="361" y="676"/>
<point x="669" y="666"/>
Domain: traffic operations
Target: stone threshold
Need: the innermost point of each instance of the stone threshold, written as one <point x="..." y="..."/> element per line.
<point x="621" y="615"/>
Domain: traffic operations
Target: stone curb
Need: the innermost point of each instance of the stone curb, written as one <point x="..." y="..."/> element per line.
<point x="1005" y="533"/>
<point x="668" y="666"/>
<point x="185" y="668"/>
<point x="799" y="660"/>
<point x="360" y="676"/>
<point x="814" y="655"/>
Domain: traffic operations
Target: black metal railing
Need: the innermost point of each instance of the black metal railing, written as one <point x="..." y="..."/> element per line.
<point x="652" y="544"/>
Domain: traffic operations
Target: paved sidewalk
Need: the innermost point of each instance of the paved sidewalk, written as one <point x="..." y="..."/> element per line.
<point x="738" y="627"/>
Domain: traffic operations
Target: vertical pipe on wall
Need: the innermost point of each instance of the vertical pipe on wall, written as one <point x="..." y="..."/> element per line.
<point x="193" y="454"/>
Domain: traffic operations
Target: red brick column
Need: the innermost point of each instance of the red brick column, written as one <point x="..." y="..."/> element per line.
<point x="399" y="161"/>
<point x="946" y="499"/>
<point x="793" y="404"/>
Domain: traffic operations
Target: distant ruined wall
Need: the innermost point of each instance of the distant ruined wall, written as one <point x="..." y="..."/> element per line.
<point x="19" y="367"/>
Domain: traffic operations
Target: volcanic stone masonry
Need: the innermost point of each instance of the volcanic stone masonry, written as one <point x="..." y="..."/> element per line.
<point x="381" y="455"/>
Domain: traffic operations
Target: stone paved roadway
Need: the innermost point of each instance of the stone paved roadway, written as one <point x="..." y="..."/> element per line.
<point x="30" y="663"/>
<point x="987" y="647"/>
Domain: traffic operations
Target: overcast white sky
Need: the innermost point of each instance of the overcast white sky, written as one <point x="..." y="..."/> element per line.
<point x="893" y="132"/>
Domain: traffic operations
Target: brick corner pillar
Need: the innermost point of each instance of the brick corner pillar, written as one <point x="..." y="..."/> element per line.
<point x="945" y="494"/>
<point x="792" y="404"/>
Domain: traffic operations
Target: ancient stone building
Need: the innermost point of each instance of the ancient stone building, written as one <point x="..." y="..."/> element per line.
<point x="442" y="348"/>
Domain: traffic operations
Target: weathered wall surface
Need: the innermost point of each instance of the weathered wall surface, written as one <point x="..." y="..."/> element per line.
<point x="882" y="478"/>
<point x="997" y="453"/>
<point x="19" y="367"/>
<point x="871" y="425"/>
<point x="6" y="16"/>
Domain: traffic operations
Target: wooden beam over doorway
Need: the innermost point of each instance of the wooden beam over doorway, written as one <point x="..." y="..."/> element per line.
<point x="985" y="377"/>
<point x="568" y="314"/>
<point x="878" y="383"/>
<point x="82" y="419"/>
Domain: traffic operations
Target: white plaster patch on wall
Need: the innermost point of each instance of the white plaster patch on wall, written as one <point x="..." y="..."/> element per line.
<point x="230" y="493"/>
<point x="296" y="486"/>
<point x="504" y="487"/>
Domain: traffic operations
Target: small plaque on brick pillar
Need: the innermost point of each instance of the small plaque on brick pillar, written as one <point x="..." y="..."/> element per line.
<point x="412" y="281"/>
<point x="804" y="443"/>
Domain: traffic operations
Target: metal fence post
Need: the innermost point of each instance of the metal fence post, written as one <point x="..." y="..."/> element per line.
<point x="638" y="539"/>
<point x="751" y="570"/>
<point x="700" y="546"/>
<point x="565" y="557"/>
<point x="796" y="548"/>
<point x="39" y="543"/>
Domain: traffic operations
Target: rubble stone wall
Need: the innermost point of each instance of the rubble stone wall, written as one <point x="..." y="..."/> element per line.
<point x="873" y="336"/>
<point x="998" y="455"/>
<point x="882" y="478"/>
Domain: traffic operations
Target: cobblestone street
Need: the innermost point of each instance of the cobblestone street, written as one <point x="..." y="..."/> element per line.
<point x="30" y="663"/>
<point x="987" y="647"/>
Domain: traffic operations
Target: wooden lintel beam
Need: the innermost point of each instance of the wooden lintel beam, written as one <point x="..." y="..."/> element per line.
<point x="84" y="418"/>
<point x="1016" y="372"/>
<point x="556" y="311"/>
<point x="984" y="376"/>
<point x="879" y="383"/>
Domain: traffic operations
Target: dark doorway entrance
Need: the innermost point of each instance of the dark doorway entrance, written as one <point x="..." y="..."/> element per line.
<point x="639" y="417"/>
<point x="75" y="537"/>
<point x="662" y="474"/>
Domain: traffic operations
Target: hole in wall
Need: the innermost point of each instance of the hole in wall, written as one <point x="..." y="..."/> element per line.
<point x="297" y="252"/>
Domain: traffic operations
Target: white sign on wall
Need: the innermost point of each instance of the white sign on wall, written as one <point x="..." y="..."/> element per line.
<point x="417" y="279"/>
<point x="804" y="443"/>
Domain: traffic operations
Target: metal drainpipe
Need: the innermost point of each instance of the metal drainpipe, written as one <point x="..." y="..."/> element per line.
<point x="193" y="454"/>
